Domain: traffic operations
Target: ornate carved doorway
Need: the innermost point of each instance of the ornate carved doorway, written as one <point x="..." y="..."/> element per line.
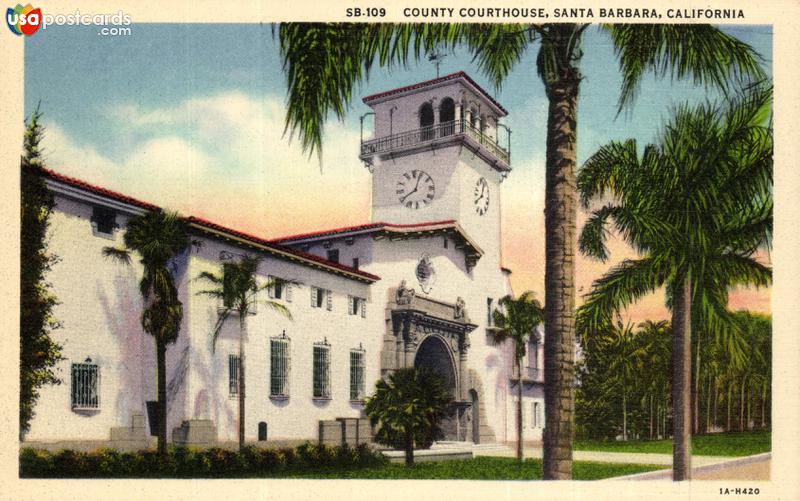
<point x="424" y="332"/>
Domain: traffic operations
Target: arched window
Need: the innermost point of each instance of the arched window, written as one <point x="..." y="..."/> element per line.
<point x="426" y="122"/>
<point x="447" y="116"/>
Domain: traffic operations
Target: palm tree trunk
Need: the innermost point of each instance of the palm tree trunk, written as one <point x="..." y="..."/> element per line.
<point x="241" y="386"/>
<point x="696" y="384"/>
<point x="519" y="410"/>
<point x="559" y="221"/>
<point x="728" y="424"/>
<point x="716" y="401"/>
<point x="650" y="435"/>
<point x="708" y="404"/>
<point x="624" y="418"/>
<point x="741" y="404"/>
<point x="409" y="448"/>
<point x="764" y="407"/>
<point x="161" y="382"/>
<point x="681" y="379"/>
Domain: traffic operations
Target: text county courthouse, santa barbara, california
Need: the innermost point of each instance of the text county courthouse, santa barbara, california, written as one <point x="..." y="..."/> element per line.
<point x="414" y="287"/>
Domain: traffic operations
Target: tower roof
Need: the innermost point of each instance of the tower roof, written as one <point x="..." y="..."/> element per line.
<point x="460" y="75"/>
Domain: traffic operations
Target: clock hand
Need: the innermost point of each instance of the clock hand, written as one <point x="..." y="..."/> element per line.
<point x="402" y="200"/>
<point x="412" y="191"/>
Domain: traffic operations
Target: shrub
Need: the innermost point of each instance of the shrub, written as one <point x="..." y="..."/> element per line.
<point x="190" y="463"/>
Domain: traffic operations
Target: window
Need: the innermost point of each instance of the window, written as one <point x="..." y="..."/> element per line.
<point x="489" y="319"/>
<point x="357" y="306"/>
<point x="426" y="122"/>
<point x="104" y="220"/>
<point x="445" y="242"/>
<point x="85" y="386"/>
<point x="280" y="289"/>
<point x="333" y="255"/>
<point x="355" y="262"/>
<point x="533" y="354"/>
<point x="280" y="363"/>
<point x="357" y="374"/>
<point x="322" y="370"/>
<point x="233" y="375"/>
<point x="537" y="415"/>
<point x="321" y="297"/>
<point x="447" y="114"/>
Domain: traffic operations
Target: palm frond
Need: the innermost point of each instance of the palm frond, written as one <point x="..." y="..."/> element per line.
<point x="703" y="53"/>
<point x="120" y="255"/>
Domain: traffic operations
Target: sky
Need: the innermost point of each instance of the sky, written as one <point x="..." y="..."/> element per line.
<point x="191" y="117"/>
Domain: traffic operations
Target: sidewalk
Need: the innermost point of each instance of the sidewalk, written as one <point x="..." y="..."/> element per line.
<point x="608" y="457"/>
<point x="755" y="467"/>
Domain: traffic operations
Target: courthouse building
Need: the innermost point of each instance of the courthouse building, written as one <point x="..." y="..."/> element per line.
<point x="414" y="285"/>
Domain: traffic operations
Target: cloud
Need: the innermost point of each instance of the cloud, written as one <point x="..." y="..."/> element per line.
<point x="224" y="157"/>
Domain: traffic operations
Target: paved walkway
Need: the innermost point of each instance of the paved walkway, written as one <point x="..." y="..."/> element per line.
<point x="755" y="467"/>
<point x="607" y="457"/>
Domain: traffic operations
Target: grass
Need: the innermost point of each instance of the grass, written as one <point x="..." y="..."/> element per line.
<point x="731" y="444"/>
<point x="479" y="468"/>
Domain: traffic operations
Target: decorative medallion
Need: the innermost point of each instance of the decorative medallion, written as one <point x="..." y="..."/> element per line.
<point x="426" y="274"/>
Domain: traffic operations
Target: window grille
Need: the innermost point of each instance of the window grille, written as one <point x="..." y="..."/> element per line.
<point x="233" y="375"/>
<point x="280" y="365"/>
<point x="534" y="414"/>
<point x="322" y="370"/>
<point x="357" y="370"/>
<point x="85" y="385"/>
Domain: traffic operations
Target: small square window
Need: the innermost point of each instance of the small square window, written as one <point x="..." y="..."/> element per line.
<point x="355" y="262"/>
<point x="333" y="255"/>
<point x="104" y="220"/>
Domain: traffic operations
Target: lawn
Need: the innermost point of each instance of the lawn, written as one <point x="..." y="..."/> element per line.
<point x="720" y="444"/>
<point x="479" y="468"/>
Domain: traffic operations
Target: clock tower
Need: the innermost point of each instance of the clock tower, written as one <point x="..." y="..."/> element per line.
<point x="439" y="152"/>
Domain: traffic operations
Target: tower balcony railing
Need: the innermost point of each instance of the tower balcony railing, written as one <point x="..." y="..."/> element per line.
<point x="434" y="133"/>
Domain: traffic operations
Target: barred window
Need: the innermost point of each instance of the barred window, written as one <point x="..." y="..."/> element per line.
<point x="357" y="370"/>
<point x="489" y="317"/>
<point x="233" y="375"/>
<point x="322" y="370"/>
<point x="85" y="385"/>
<point x="280" y="364"/>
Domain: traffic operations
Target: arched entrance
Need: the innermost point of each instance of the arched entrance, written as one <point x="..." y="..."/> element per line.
<point x="434" y="354"/>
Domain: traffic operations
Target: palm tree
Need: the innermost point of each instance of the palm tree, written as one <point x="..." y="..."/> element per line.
<point x="655" y="336"/>
<point x="157" y="237"/>
<point x="696" y="207"/>
<point x="516" y="320"/>
<point x="408" y="406"/>
<point x="623" y="356"/>
<point x="237" y="288"/>
<point x="342" y="56"/>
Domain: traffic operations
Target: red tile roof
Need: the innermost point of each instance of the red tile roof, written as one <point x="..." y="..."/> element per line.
<point x="78" y="183"/>
<point x="420" y="85"/>
<point x="446" y="225"/>
<point x="279" y="248"/>
<point x="270" y="246"/>
<point x="359" y="228"/>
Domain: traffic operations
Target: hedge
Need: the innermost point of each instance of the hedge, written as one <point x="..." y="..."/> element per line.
<point x="184" y="462"/>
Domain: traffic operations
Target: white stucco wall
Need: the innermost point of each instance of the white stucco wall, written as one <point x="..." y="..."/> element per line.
<point x="99" y="308"/>
<point x="297" y="417"/>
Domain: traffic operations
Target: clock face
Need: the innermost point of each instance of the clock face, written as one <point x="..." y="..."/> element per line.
<point x="481" y="196"/>
<point x="415" y="189"/>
